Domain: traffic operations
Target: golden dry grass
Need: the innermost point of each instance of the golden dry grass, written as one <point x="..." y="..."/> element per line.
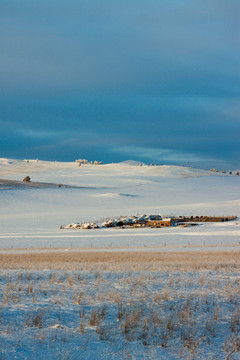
<point x="121" y="261"/>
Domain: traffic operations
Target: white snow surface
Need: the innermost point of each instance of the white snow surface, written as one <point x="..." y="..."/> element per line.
<point x="31" y="218"/>
<point x="171" y="314"/>
<point x="141" y="315"/>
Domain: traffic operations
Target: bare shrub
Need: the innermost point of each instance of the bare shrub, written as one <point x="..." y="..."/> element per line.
<point x="171" y="322"/>
<point x="79" y="297"/>
<point x="216" y="313"/>
<point x="95" y="316"/>
<point x="70" y="281"/>
<point x="232" y="345"/>
<point x="132" y="324"/>
<point x="165" y="295"/>
<point x="189" y="339"/>
<point x="29" y="289"/>
<point x="210" y="327"/>
<point x="164" y="338"/>
<point x="120" y="313"/>
<point x="103" y="331"/>
<point x="183" y="315"/>
<point x="235" y="322"/>
<point x="82" y="327"/>
<point x="34" y="320"/>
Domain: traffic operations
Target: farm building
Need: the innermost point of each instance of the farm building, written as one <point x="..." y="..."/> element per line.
<point x="160" y="223"/>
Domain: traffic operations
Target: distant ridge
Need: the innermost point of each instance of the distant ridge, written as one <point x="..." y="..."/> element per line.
<point x="131" y="162"/>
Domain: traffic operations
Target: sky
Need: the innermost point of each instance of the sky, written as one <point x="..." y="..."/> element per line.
<point x="156" y="81"/>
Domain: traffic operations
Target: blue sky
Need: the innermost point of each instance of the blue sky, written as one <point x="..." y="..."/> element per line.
<point x="156" y="81"/>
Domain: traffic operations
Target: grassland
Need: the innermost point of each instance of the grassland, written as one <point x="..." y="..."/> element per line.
<point x="120" y="305"/>
<point x="120" y="260"/>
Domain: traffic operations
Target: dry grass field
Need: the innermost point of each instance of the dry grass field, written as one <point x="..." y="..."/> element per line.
<point x="119" y="305"/>
<point x="121" y="260"/>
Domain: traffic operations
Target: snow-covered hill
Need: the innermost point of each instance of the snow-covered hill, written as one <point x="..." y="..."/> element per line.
<point x="106" y="191"/>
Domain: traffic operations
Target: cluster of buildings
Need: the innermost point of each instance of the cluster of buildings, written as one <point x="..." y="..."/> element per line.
<point x="153" y="221"/>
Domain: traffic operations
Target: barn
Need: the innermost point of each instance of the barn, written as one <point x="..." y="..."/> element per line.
<point x="160" y="223"/>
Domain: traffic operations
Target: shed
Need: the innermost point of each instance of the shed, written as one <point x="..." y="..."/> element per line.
<point x="160" y="223"/>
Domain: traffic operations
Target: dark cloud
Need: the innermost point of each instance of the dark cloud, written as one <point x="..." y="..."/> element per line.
<point x="111" y="78"/>
<point x="159" y="47"/>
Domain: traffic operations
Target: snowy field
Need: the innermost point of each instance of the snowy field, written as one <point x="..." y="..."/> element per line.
<point x="31" y="218"/>
<point x="170" y="293"/>
<point x="168" y="314"/>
